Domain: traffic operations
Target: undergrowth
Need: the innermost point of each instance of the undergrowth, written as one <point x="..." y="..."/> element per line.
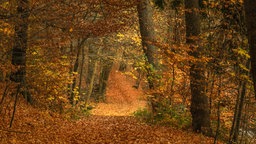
<point x="167" y="116"/>
<point x="76" y="113"/>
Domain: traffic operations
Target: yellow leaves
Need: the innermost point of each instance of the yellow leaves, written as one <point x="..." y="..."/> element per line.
<point x="5" y="4"/>
<point x="63" y="99"/>
<point x="50" y="98"/>
<point x="242" y="52"/>
<point x="64" y="61"/>
<point x="137" y="40"/>
<point x="48" y="72"/>
<point x="34" y="53"/>
<point x="131" y="74"/>
<point x="49" y="76"/>
<point x="129" y="36"/>
<point x="64" y="57"/>
<point x="120" y="35"/>
<point x="75" y="73"/>
<point x="243" y="67"/>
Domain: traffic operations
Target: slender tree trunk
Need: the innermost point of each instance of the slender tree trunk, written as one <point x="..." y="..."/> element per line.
<point x="239" y="112"/>
<point x="105" y="71"/>
<point x="122" y="63"/>
<point x="91" y="84"/>
<point x="139" y="78"/>
<point x="20" y="46"/>
<point x="79" y="48"/>
<point x="199" y="100"/>
<point x="218" y="125"/>
<point x="81" y="73"/>
<point x="239" y="107"/>
<point x="250" y="15"/>
<point x="104" y="75"/>
<point x="92" y="78"/>
<point x="145" y="14"/>
<point x="92" y="58"/>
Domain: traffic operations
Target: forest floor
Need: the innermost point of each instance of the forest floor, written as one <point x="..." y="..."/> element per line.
<point x="110" y="123"/>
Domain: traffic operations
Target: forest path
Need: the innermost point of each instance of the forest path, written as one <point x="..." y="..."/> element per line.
<point x="128" y="130"/>
<point x="111" y="123"/>
<point x="122" y="99"/>
<point x="99" y="130"/>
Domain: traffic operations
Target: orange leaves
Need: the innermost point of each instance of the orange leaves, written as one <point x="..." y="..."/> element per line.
<point x="49" y="128"/>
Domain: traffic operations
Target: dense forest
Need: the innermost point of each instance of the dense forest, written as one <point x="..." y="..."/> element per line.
<point x="191" y="62"/>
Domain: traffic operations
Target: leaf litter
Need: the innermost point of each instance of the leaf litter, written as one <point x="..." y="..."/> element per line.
<point x="111" y="123"/>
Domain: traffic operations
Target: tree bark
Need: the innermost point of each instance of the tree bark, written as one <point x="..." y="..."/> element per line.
<point x="20" y="41"/>
<point x="92" y="59"/>
<point x="81" y="73"/>
<point x="145" y="14"/>
<point x="93" y="74"/>
<point x="106" y="67"/>
<point x="20" y="46"/>
<point x="75" y="69"/>
<point x="250" y="16"/>
<point x="199" y="100"/>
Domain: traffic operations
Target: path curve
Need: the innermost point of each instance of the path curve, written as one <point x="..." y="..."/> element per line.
<point x="122" y="98"/>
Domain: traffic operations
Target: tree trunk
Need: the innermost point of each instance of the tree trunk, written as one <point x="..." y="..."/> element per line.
<point x="106" y="67"/>
<point x="81" y="73"/>
<point x="93" y="69"/>
<point x="20" y="46"/>
<point x="104" y="75"/>
<point x="122" y="63"/>
<point x="92" y="59"/>
<point x="79" y="48"/>
<point x="199" y="100"/>
<point x="250" y="16"/>
<point x="239" y="106"/>
<point x="145" y="14"/>
<point x="237" y="118"/>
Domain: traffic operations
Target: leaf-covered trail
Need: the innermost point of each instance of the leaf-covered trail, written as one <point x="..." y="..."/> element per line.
<point x="122" y="98"/>
<point x="127" y="130"/>
<point x="99" y="130"/>
<point x="114" y="122"/>
<point x="111" y="123"/>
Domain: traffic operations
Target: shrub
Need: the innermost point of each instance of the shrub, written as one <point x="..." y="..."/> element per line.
<point x="165" y="115"/>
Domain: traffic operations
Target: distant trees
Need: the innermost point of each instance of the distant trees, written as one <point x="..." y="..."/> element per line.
<point x="50" y="41"/>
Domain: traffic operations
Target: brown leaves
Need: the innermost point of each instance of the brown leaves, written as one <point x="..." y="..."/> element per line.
<point x="48" y="127"/>
<point x="104" y="129"/>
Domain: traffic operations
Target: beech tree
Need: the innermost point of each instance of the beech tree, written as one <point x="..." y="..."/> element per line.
<point x="199" y="100"/>
<point x="20" y="47"/>
<point x="250" y="15"/>
<point x="145" y="14"/>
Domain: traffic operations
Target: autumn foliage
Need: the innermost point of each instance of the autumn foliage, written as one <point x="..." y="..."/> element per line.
<point x="127" y="71"/>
